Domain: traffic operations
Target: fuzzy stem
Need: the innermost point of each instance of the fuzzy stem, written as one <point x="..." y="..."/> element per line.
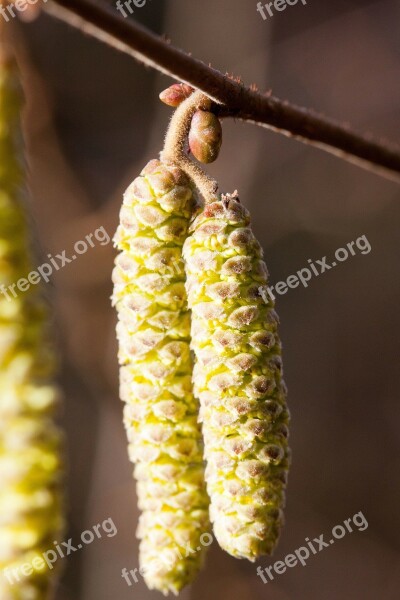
<point x="175" y="142"/>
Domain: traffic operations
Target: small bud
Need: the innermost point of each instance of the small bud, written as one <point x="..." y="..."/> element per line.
<point x="205" y="136"/>
<point x="176" y="94"/>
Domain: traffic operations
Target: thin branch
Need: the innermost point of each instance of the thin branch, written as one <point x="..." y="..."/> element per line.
<point x="240" y="102"/>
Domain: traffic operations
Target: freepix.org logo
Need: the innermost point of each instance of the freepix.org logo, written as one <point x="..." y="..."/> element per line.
<point x="278" y="6"/>
<point x="55" y="263"/>
<point x="303" y="553"/>
<point x="126" y="9"/>
<point x="12" y="9"/>
<point x="315" y="268"/>
<point x="47" y="560"/>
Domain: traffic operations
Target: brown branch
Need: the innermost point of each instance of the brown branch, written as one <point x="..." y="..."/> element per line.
<point x="240" y="102"/>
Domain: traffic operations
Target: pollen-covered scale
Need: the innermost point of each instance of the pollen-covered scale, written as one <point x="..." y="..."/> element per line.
<point x="30" y="462"/>
<point x="238" y="379"/>
<point x="161" y="413"/>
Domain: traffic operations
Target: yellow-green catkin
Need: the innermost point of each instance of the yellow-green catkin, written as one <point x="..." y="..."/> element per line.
<point x="30" y="464"/>
<point x="238" y="379"/>
<point x="161" y="413"/>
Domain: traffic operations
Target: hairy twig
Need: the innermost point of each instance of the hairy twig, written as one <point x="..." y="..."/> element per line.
<point x="175" y="141"/>
<point x="238" y="101"/>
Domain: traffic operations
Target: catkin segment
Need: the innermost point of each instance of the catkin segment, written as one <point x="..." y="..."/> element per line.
<point x="238" y="379"/>
<point x="30" y="461"/>
<point x="161" y="413"/>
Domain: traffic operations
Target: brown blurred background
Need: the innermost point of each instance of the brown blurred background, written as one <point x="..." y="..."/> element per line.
<point x="93" y="120"/>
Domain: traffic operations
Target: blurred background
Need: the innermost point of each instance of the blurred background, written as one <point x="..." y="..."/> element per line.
<point x="93" y="120"/>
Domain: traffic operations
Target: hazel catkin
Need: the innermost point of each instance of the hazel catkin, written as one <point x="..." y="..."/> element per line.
<point x="161" y="413"/>
<point x="31" y="466"/>
<point x="238" y="379"/>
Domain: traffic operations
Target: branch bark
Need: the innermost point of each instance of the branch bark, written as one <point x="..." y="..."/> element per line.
<point x="240" y="102"/>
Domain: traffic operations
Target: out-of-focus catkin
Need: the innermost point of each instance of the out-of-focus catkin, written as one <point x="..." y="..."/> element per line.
<point x="161" y="413"/>
<point x="238" y="379"/>
<point x="30" y="463"/>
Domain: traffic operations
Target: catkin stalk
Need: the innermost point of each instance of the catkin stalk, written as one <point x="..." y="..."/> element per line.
<point x="238" y="379"/>
<point x="30" y="462"/>
<point x="161" y="413"/>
